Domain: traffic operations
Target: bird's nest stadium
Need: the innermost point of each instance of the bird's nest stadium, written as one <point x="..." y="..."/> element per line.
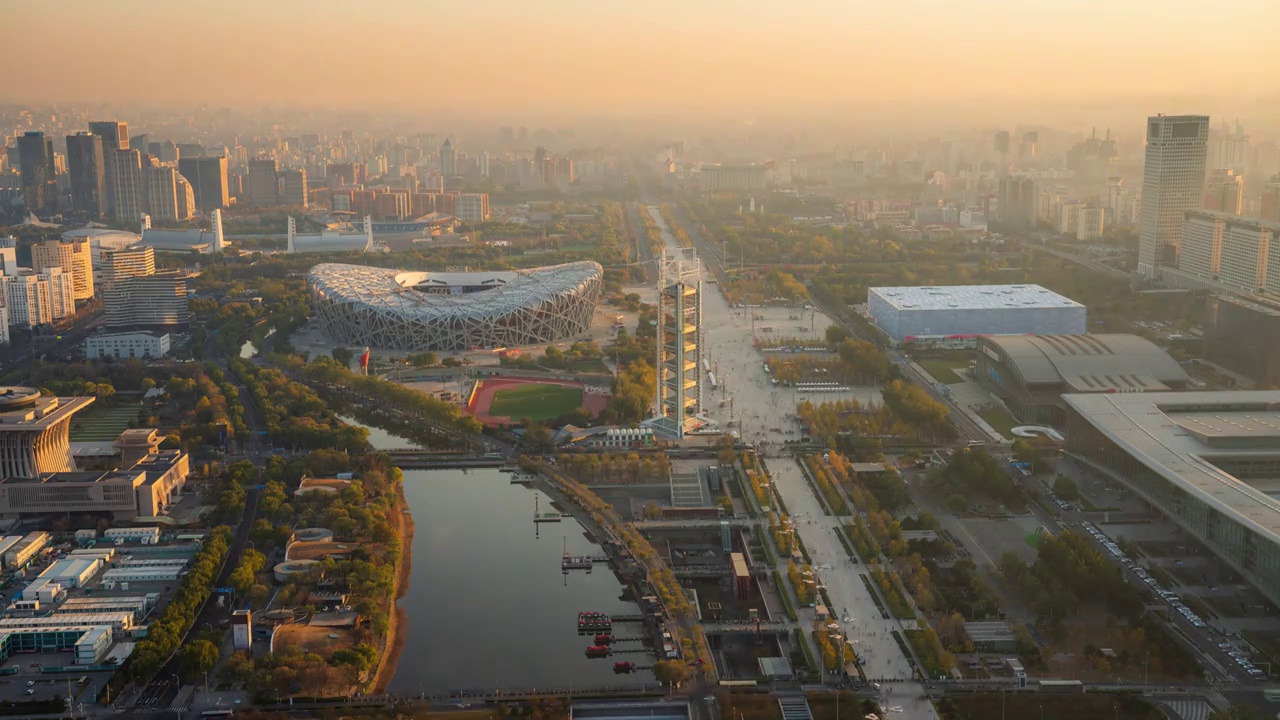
<point x="416" y="311"/>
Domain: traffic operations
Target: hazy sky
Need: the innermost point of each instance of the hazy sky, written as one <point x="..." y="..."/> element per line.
<point x="603" y="56"/>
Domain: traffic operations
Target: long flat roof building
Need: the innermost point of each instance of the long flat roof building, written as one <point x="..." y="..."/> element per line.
<point x="1029" y="373"/>
<point x="1210" y="461"/>
<point x="906" y="312"/>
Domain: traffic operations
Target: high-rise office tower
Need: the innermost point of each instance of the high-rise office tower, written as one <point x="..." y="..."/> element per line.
<point x="1223" y="191"/>
<point x="208" y="178"/>
<point x="128" y="263"/>
<point x="264" y="184"/>
<point x="1172" y="183"/>
<point x="482" y="163"/>
<point x="168" y="152"/>
<point x="39" y="186"/>
<point x="294" y="185"/>
<point x="186" y="197"/>
<point x="448" y="160"/>
<point x="86" y="166"/>
<point x="125" y="175"/>
<point x="115" y="136"/>
<point x="75" y="258"/>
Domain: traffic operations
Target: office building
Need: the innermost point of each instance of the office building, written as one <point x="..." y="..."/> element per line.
<point x="471" y="207"/>
<point x="482" y="164"/>
<point x="908" y="313"/>
<point x="8" y="259"/>
<point x="1243" y="335"/>
<point x="208" y="178"/>
<point x="125" y="178"/>
<point x="1205" y="460"/>
<point x="264" y="184"/>
<point x="1172" y="183"/>
<point x="115" y="136"/>
<point x="448" y="160"/>
<point x="1001" y="142"/>
<point x="86" y="165"/>
<point x="73" y="257"/>
<point x="122" y="346"/>
<point x="293" y="184"/>
<point x="1228" y="148"/>
<point x="1030" y="373"/>
<point x="161" y="183"/>
<point x="4" y="314"/>
<point x="151" y="301"/>
<point x="185" y="195"/>
<point x="39" y="178"/>
<point x="34" y="432"/>
<point x="1223" y="192"/>
<point x="678" y="398"/>
<point x="714" y="178"/>
<point x="128" y="263"/>
<point x="1228" y="252"/>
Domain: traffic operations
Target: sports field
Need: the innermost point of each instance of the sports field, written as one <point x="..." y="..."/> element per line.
<point x="537" y="402"/>
<point x="102" y="423"/>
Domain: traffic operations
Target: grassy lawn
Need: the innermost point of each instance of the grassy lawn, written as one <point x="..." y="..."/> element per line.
<point x="102" y="423"/>
<point x="1000" y="420"/>
<point x="537" y="402"/>
<point x="944" y="371"/>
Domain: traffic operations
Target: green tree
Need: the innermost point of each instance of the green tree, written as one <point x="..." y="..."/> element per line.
<point x="671" y="672"/>
<point x="1065" y="488"/>
<point x="836" y="334"/>
<point x="344" y="356"/>
<point x="957" y="503"/>
<point x="198" y="658"/>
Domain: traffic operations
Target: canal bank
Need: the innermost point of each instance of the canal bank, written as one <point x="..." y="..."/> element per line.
<point x="398" y="617"/>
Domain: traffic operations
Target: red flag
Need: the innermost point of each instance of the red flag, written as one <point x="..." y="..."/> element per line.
<point x="364" y="360"/>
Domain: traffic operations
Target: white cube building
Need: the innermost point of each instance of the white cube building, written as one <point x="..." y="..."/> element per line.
<point x="910" y="312"/>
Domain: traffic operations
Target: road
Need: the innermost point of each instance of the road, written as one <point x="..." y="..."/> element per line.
<point x="165" y="687"/>
<point x="759" y="408"/>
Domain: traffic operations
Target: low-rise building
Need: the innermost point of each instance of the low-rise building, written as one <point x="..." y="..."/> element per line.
<point x="72" y="572"/>
<point x="126" y="574"/>
<point x="25" y="549"/>
<point x="125" y="345"/>
<point x="144" y="535"/>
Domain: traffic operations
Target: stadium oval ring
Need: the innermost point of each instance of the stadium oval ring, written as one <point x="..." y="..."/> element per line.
<point x="406" y="310"/>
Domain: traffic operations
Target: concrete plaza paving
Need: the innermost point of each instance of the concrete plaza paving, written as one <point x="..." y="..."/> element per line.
<point x="760" y="410"/>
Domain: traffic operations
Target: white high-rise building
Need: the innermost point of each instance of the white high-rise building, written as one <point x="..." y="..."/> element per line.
<point x="62" y="298"/>
<point x="28" y="298"/>
<point x="1172" y="183"/>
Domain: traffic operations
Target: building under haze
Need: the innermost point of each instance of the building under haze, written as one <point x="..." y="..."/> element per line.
<point x="39" y="178"/>
<point x="746" y="178"/>
<point x="125" y="177"/>
<point x="448" y="160"/>
<point x="208" y="178"/>
<point x="1172" y="183"/>
<point x="1223" y="191"/>
<point x="87" y="169"/>
<point x="115" y="136"/>
<point x="1242" y="334"/>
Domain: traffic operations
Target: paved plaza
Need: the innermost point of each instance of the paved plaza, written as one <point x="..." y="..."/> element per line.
<point x="760" y="408"/>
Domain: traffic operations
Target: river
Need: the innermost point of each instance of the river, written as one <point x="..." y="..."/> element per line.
<point x="487" y="604"/>
<point x="380" y="439"/>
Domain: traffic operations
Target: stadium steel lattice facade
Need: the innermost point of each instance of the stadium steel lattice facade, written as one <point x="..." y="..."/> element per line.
<point x="407" y="310"/>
